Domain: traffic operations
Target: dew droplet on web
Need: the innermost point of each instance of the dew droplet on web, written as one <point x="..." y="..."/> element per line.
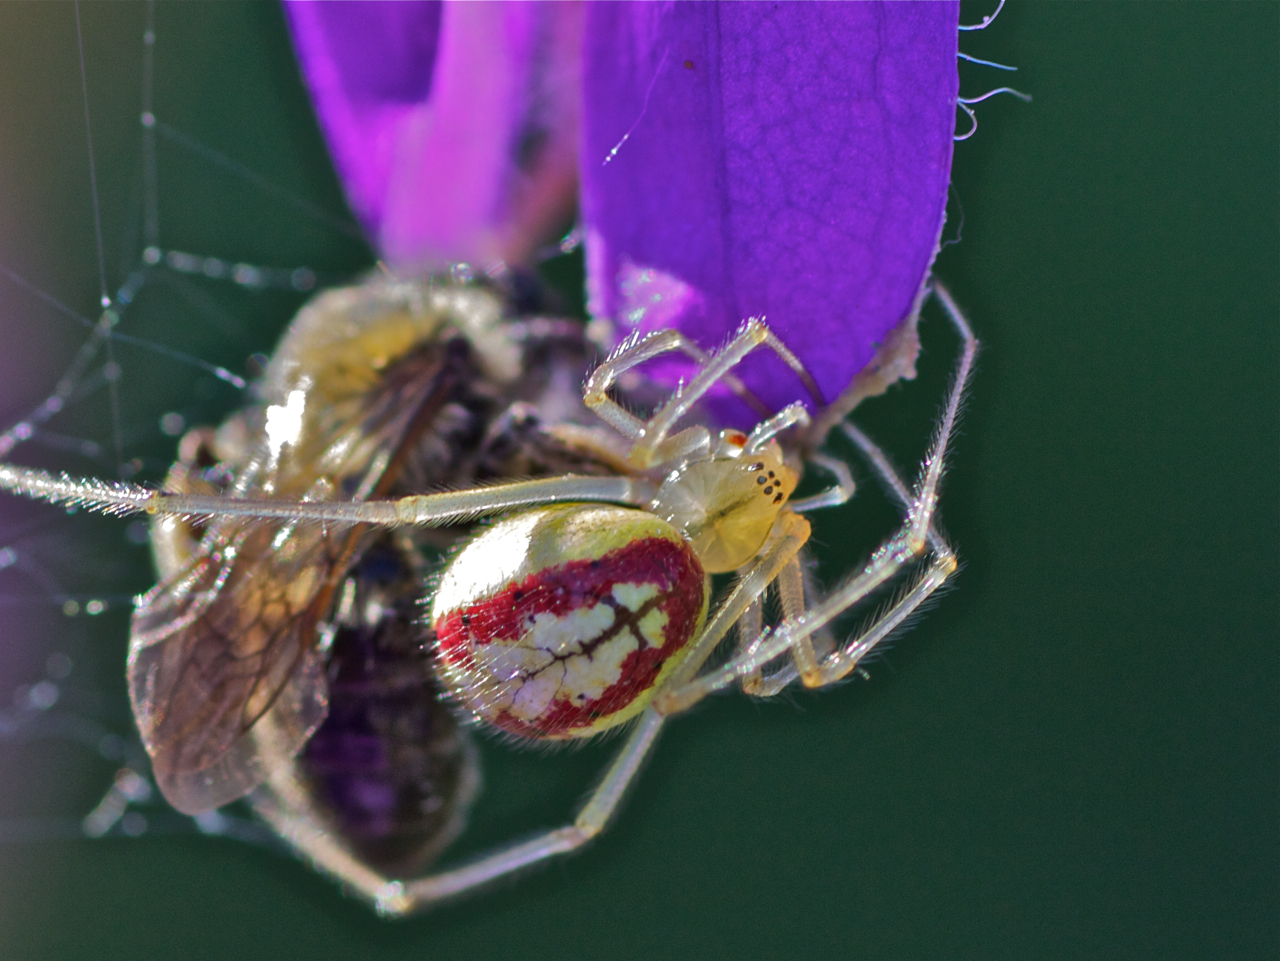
<point x="42" y="695"/>
<point x="172" y="424"/>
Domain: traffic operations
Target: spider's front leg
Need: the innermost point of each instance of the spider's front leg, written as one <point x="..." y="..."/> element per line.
<point x="415" y="510"/>
<point x="651" y="444"/>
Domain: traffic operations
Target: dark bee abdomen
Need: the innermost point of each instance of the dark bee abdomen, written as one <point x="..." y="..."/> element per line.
<point x="389" y="768"/>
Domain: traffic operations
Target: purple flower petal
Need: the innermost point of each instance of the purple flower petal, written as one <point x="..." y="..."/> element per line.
<point x="784" y="160"/>
<point x="453" y="126"/>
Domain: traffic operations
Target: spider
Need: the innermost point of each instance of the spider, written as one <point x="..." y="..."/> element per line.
<point x="585" y="606"/>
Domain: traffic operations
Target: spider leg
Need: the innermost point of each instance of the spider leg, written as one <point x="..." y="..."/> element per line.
<point x="750" y="633"/>
<point x="944" y="563"/>
<point x="427" y="510"/>
<point x="833" y="496"/>
<point x="637" y="352"/>
<point x="396" y="898"/>
<point x="835" y="665"/>
<point x="916" y="534"/>
<point x="649" y="436"/>
<point x="804" y="662"/>
<point x="790" y="585"/>
<point x="791" y="594"/>
<point x="771" y="427"/>
<point x="790" y="533"/>
<point x="750" y="627"/>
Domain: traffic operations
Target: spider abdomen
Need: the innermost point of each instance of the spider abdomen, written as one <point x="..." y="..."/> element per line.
<point x="560" y="622"/>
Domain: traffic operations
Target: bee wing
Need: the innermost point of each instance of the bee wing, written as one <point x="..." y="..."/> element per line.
<point x="223" y="670"/>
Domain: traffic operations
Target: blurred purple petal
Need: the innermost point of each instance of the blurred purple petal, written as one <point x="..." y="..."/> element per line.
<point x="453" y="126"/>
<point x="783" y="160"/>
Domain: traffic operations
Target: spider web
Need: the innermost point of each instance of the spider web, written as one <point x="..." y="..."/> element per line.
<point x="210" y="238"/>
<point x="141" y="284"/>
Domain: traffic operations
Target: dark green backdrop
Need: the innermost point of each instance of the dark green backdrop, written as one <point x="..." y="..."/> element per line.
<point x="1073" y="756"/>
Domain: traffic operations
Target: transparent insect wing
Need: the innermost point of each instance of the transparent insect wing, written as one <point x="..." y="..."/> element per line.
<point x="223" y="668"/>
<point x="222" y="655"/>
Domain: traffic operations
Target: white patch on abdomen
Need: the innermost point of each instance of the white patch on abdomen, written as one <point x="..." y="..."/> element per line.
<point x="554" y="658"/>
<point x="586" y="677"/>
<point x="653" y="627"/>
<point x="633" y="596"/>
<point x="564" y="634"/>
<point x="535" y="694"/>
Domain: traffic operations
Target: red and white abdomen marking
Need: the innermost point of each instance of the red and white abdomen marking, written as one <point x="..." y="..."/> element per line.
<point x="559" y="622"/>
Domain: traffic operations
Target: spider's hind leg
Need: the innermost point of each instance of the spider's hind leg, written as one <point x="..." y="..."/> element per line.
<point x="916" y="536"/>
<point x="397" y="898"/>
<point x="942" y="565"/>
<point x="919" y="508"/>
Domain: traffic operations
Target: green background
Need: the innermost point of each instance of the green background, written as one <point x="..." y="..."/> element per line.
<point x="1074" y="755"/>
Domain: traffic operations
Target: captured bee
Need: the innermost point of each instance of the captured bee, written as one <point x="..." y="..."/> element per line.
<point x="291" y="660"/>
<point x="294" y="652"/>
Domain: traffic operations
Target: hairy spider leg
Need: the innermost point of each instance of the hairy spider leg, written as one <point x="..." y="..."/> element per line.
<point x="751" y="625"/>
<point x="904" y="547"/>
<point x="649" y="436"/>
<point x="397" y="898"/>
<point x="751" y="632"/>
<point x="415" y="510"/>
<point x="638" y="350"/>
<point x="834" y="496"/>
<point x="819" y="669"/>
